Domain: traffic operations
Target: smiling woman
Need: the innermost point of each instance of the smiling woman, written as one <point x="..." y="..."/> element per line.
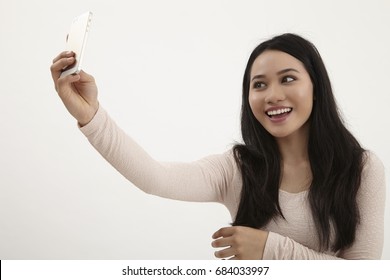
<point x="305" y="176"/>
<point x="299" y="187"/>
<point x="284" y="92"/>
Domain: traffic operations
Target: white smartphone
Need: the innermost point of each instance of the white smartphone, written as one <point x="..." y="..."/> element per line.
<point x="76" y="42"/>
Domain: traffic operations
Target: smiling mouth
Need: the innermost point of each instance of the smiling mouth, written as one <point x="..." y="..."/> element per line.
<point x="279" y="113"/>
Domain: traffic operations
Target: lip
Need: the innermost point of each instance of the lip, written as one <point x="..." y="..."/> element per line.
<point x="278" y="119"/>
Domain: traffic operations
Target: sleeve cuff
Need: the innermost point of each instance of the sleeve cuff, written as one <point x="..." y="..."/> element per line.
<point x="270" y="245"/>
<point x="96" y="122"/>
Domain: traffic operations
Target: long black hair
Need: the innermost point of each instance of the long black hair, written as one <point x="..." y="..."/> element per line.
<point x="336" y="157"/>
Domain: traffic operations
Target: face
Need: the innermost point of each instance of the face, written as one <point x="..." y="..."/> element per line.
<point x="281" y="93"/>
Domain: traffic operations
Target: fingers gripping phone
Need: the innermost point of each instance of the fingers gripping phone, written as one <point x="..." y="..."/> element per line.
<point x="76" y="42"/>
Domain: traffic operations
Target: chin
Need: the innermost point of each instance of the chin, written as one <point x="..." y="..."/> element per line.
<point x="281" y="134"/>
<point x="277" y="132"/>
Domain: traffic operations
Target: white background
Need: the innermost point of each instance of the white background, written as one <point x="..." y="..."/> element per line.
<point x="169" y="72"/>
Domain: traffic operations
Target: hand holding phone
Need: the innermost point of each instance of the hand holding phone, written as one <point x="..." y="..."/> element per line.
<point x="76" y="42"/>
<point x="77" y="89"/>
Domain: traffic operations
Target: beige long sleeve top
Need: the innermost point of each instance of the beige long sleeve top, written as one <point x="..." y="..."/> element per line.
<point x="216" y="178"/>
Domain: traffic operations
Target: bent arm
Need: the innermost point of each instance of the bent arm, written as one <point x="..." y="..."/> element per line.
<point x="279" y="247"/>
<point x="205" y="180"/>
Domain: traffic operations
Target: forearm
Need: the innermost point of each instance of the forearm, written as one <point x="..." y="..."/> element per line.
<point x="279" y="247"/>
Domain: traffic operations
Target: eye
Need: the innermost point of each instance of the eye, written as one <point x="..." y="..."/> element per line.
<point x="288" y="79"/>
<point x="259" y="85"/>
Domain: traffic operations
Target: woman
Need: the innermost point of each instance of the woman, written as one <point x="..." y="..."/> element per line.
<point x="300" y="187"/>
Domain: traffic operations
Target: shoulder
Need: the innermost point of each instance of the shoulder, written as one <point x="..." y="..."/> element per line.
<point x="224" y="161"/>
<point x="373" y="176"/>
<point x="372" y="165"/>
<point x="224" y="164"/>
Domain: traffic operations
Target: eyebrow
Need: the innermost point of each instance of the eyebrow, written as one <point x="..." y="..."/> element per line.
<point x="278" y="73"/>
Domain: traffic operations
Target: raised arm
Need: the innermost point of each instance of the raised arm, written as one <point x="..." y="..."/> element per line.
<point x="204" y="180"/>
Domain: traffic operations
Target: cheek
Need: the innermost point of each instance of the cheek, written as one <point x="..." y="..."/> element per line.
<point x="256" y="104"/>
<point x="305" y="99"/>
<point x="309" y="98"/>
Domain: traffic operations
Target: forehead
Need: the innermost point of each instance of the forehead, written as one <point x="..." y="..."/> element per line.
<point x="271" y="61"/>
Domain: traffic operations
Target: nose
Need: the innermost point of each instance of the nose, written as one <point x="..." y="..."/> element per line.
<point x="275" y="94"/>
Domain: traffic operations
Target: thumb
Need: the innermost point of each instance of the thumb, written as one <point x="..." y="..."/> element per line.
<point x="85" y="77"/>
<point x="66" y="81"/>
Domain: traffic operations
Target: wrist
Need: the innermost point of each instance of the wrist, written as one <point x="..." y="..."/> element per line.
<point x="89" y="117"/>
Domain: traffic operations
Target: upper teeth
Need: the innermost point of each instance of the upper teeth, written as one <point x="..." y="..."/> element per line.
<point x="279" y="111"/>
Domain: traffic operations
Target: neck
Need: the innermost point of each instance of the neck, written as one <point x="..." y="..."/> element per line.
<point x="294" y="148"/>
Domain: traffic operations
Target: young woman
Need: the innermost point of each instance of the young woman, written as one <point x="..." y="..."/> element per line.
<point x="299" y="187"/>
